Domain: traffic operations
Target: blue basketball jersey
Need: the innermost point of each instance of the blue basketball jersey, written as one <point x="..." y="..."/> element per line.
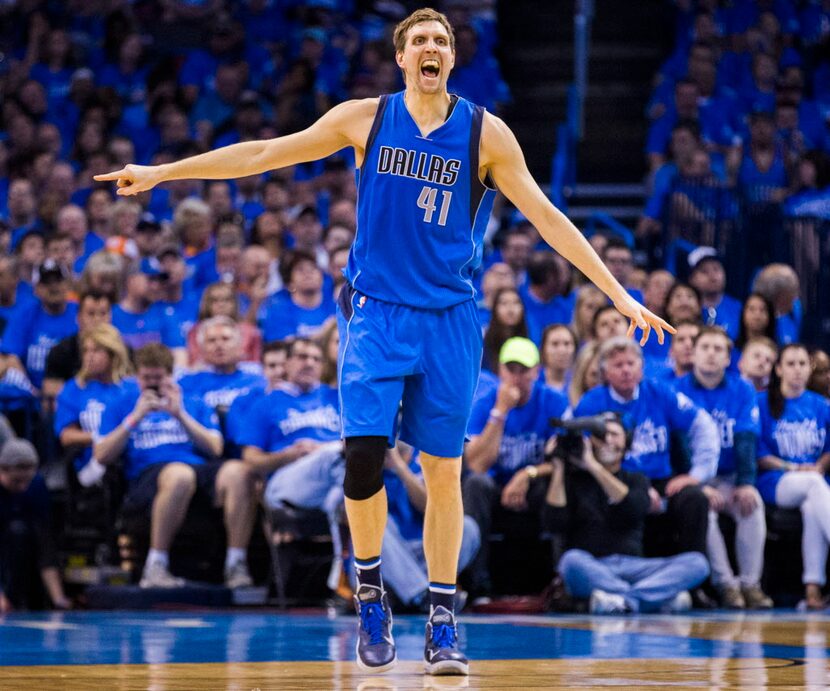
<point x="422" y="209"/>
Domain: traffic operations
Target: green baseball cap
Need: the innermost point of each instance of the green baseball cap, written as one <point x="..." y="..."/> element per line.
<point x="521" y="350"/>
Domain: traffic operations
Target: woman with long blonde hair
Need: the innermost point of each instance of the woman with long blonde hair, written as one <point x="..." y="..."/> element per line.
<point x="105" y="365"/>
<point x="586" y="373"/>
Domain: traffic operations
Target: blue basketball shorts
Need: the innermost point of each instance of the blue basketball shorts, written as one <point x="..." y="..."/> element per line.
<point x="422" y="362"/>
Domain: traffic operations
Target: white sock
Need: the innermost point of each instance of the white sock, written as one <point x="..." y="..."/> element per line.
<point x="234" y="555"/>
<point x="158" y="556"/>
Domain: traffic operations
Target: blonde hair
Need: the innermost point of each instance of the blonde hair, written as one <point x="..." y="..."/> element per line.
<point x="425" y="14"/>
<point x="584" y="357"/>
<point x="324" y="338"/>
<point x="207" y="296"/>
<point x="583" y="294"/>
<point x="106" y="336"/>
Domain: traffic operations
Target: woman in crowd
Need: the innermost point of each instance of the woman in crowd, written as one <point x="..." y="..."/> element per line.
<point x="589" y="299"/>
<point x="683" y="303"/>
<point x="557" y="353"/>
<point x="507" y="321"/>
<point x="757" y="319"/>
<point x="219" y="299"/>
<point x="586" y="374"/>
<point x="608" y="323"/>
<point x="81" y="402"/>
<point x="793" y="456"/>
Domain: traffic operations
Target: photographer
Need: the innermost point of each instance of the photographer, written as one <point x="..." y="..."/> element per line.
<point x="601" y="510"/>
<point x="508" y="430"/>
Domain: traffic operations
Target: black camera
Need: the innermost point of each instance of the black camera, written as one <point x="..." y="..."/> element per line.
<point x="571" y="445"/>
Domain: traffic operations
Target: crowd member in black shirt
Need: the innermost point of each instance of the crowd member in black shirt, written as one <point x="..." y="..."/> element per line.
<point x="27" y="549"/>
<point x="601" y="510"/>
<point x="64" y="359"/>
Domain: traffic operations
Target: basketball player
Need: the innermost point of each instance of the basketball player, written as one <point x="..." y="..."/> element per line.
<point x="428" y="166"/>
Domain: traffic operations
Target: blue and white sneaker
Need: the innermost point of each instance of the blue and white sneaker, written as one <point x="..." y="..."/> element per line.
<point x="375" y="645"/>
<point x="441" y="653"/>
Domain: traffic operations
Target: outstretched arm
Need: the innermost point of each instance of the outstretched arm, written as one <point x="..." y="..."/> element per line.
<point x="344" y="125"/>
<point x="503" y="157"/>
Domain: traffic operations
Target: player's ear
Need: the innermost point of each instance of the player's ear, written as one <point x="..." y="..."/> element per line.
<point x="399" y="58"/>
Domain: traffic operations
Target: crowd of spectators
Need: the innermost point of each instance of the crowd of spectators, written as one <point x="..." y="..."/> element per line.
<point x="738" y="143"/>
<point x="185" y="337"/>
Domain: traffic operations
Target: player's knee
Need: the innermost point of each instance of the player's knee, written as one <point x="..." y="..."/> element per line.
<point x="364" y="467"/>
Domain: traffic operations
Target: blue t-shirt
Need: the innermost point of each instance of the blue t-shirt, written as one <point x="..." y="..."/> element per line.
<point x="150" y="326"/>
<point x="240" y="409"/>
<point x="284" y="317"/>
<point x="288" y="414"/>
<point x="420" y="198"/>
<point x="526" y="429"/>
<point x="726" y="314"/>
<point x="31" y="333"/>
<point x="733" y="407"/>
<point x="654" y="413"/>
<point x="84" y="406"/>
<point x="220" y="389"/>
<point x="183" y="315"/>
<point x="799" y="435"/>
<point x="158" y="437"/>
<point x="539" y="314"/>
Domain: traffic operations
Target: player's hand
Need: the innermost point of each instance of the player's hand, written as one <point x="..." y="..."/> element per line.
<point x="5" y="604"/>
<point x="514" y="494"/>
<point x="746" y="499"/>
<point x="641" y="318"/>
<point x="132" y="179"/>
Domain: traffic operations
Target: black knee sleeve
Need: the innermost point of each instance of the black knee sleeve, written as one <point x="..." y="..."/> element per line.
<point x="364" y="466"/>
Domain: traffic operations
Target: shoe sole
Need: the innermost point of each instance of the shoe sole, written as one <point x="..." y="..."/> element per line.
<point x="372" y="669"/>
<point x="447" y="667"/>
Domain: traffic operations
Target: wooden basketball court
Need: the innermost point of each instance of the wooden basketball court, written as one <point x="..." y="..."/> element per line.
<point x="256" y="650"/>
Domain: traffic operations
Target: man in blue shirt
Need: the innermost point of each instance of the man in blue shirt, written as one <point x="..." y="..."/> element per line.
<point x="220" y="342"/>
<point x="656" y="413"/>
<point x="709" y="277"/>
<point x="509" y="427"/>
<point x="31" y="333"/>
<point x="542" y="296"/>
<point x="291" y="436"/>
<point x="302" y="309"/>
<point x="731" y="403"/>
<point x="169" y="444"/>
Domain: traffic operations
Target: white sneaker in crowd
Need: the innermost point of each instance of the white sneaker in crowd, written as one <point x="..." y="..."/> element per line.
<point x="606" y="603"/>
<point x="682" y="602"/>
<point x="156" y="575"/>
<point x="237" y="576"/>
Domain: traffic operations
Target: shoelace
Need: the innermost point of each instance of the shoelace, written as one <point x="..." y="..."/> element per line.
<point x="372" y="618"/>
<point x="443" y="636"/>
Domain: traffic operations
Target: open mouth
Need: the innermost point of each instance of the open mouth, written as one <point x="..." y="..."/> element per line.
<point x="430" y="68"/>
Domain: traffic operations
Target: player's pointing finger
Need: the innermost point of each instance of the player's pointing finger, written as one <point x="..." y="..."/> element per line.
<point x="103" y="177"/>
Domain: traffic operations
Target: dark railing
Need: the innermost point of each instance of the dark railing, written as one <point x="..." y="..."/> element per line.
<point x="748" y="227"/>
